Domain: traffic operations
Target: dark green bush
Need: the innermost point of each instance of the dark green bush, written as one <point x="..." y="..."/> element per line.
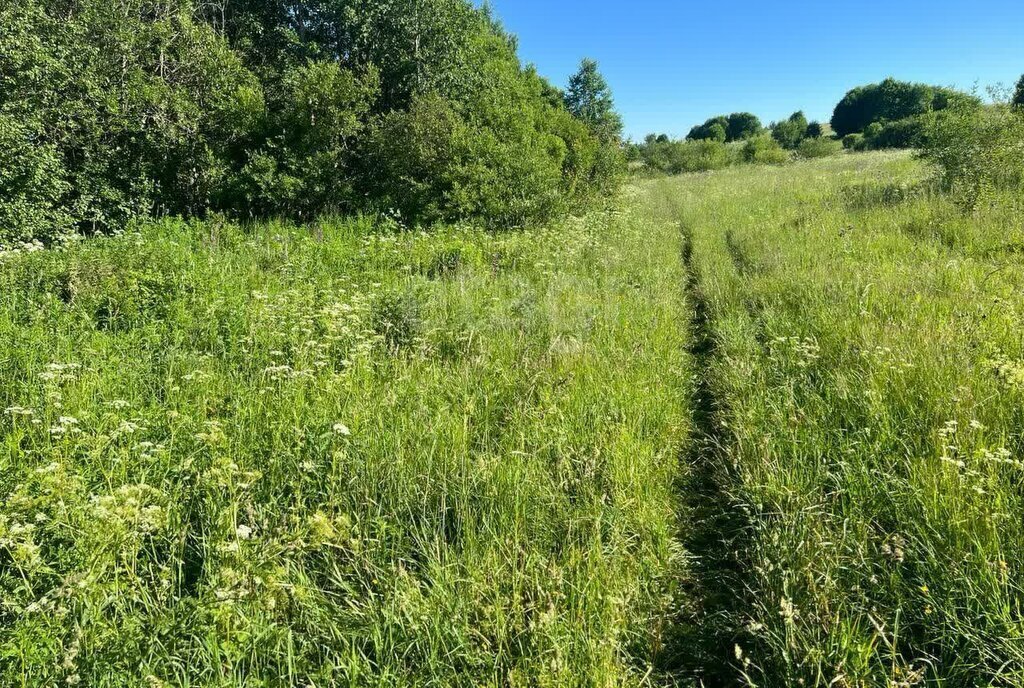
<point x="738" y="126"/>
<point x="904" y="133"/>
<point x="854" y="142"/>
<point x="715" y="129"/>
<point x="742" y="126"/>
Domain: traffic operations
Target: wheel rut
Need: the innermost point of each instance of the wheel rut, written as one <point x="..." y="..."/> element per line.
<point x="700" y="640"/>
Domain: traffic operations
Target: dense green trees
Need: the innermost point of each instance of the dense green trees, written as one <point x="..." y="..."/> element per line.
<point x="113" y="109"/>
<point x="1018" y="94"/>
<point x="742" y="126"/>
<point x="790" y="132"/>
<point x="889" y="101"/>
<point x="738" y="126"/>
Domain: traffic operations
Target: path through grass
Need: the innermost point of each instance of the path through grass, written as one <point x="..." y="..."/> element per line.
<point x="867" y="348"/>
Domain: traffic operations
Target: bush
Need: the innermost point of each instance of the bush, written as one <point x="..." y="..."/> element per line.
<point x="764" y="150"/>
<point x="819" y="147"/>
<point x="790" y="132"/>
<point x="904" y="133"/>
<point x="115" y="110"/>
<point x="715" y="129"/>
<point x="305" y="164"/>
<point x="977" y="151"/>
<point x="675" y="157"/>
<point x="854" y="142"/>
<point x="32" y="186"/>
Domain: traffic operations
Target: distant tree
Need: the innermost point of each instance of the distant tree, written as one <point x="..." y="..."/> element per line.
<point x="890" y="100"/>
<point x="742" y="125"/>
<point x="815" y="130"/>
<point x="716" y="132"/>
<point x="662" y="138"/>
<point x="1018" y="95"/>
<point x="710" y="129"/>
<point x="589" y="99"/>
<point x="790" y="132"/>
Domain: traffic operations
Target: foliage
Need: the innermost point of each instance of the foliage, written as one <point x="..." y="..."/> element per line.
<point x="712" y="129"/>
<point x="978" y="151"/>
<point x="738" y="126"/>
<point x="904" y="133"/>
<point x="676" y="157"/>
<point x="815" y="130"/>
<point x="854" y="142"/>
<point x="129" y="106"/>
<point x="117" y="110"/>
<point x="1018" y="93"/>
<point x="891" y="100"/>
<point x="819" y="147"/>
<point x="742" y="126"/>
<point x="305" y="163"/>
<point x="589" y="99"/>
<point x="764" y="149"/>
<point x="790" y="132"/>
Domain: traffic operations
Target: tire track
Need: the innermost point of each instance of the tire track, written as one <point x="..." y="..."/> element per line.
<point x="699" y="647"/>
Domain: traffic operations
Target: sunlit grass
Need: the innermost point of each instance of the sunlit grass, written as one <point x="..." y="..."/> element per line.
<point x="869" y="348"/>
<point x="340" y="456"/>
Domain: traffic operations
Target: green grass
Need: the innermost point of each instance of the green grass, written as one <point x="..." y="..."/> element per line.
<point x="757" y="426"/>
<point x="341" y="456"/>
<point x="868" y="349"/>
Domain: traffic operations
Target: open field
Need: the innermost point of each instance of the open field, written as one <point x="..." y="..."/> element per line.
<point x="867" y="389"/>
<point x="339" y="455"/>
<point x="759" y="426"/>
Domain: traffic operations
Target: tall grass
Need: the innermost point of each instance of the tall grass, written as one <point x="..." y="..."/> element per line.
<point x="868" y="354"/>
<point x="340" y="456"/>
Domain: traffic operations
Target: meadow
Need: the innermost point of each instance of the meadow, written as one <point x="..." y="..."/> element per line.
<point x="340" y="454"/>
<point x="759" y="426"/>
<point x="865" y="391"/>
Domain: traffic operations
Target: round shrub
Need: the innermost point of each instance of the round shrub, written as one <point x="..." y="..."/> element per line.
<point x="854" y="142"/>
<point x="764" y="150"/>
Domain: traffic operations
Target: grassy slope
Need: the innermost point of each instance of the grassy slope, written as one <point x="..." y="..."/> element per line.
<point x="283" y="459"/>
<point x="868" y="365"/>
<point x="272" y="458"/>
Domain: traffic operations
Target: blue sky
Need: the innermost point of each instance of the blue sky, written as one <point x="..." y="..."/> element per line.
<point x="674" y="63"/>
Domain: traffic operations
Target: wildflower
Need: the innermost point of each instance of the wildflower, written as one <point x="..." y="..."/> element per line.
<point x="341" y="429"/>
<point x="243" y="532"/>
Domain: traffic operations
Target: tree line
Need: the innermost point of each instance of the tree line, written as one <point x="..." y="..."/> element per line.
<point x="889" y="114"/>
<point x="112" y="110"/>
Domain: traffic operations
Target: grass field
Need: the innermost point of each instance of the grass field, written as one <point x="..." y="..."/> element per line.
<point x="759" y="426"/>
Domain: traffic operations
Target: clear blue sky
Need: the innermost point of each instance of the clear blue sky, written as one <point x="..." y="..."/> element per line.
<point x="674" y="63"/>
